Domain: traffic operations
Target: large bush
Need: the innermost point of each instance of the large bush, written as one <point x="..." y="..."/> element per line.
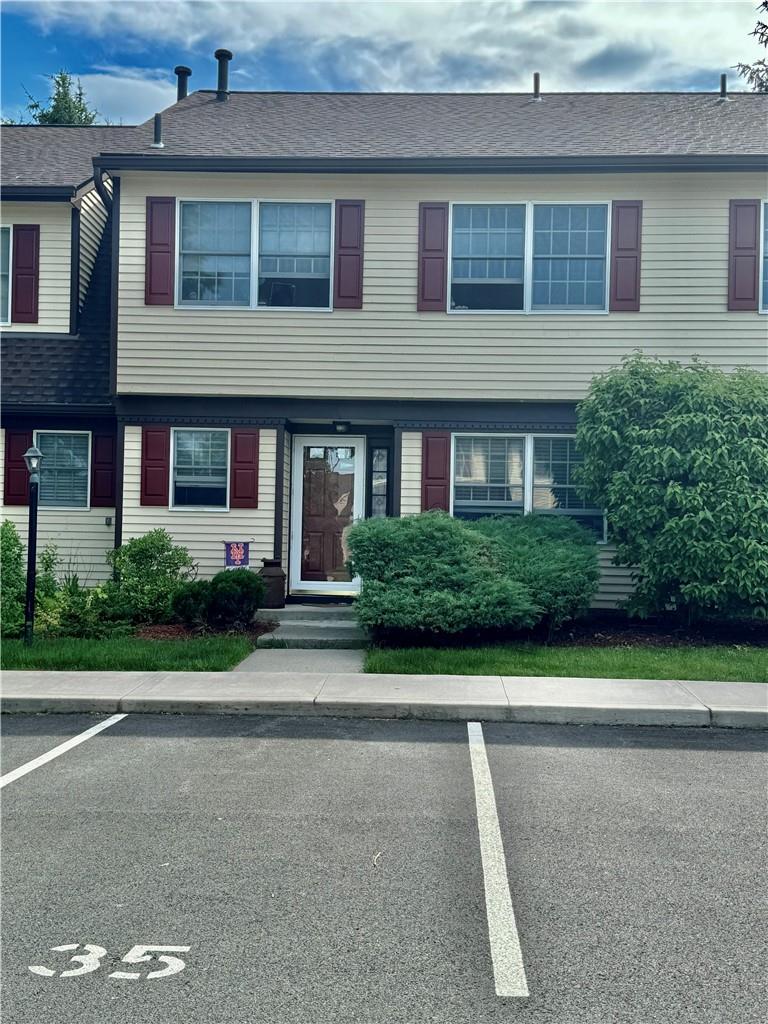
<point x="228" y="601"/>
<point x="433" y="574"/>
<point x="678" y="457"/>
<point x="148" y="572"/>
<point x="12" y="580"/>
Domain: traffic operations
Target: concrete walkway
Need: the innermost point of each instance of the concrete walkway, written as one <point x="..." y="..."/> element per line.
<point x="278" y="659"/>
<point x="490" y="698"/>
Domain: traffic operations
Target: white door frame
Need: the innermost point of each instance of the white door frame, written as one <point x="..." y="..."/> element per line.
<point x="295" y="583"/>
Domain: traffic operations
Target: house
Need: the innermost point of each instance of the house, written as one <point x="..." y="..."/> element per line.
<point x="291" y="310"/>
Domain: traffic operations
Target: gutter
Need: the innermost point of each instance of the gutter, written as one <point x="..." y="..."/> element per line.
<point x="38" y="193"/>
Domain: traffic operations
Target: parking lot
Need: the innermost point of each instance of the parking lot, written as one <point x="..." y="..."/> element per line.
<point x="322" y="870"/>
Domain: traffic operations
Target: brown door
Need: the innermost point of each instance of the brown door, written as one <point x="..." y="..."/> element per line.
<point x="327" y="511"/>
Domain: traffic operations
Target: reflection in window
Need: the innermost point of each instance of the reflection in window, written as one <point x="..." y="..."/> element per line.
<point x="488" y="475"/>
<point x="295" y="254"/>
<point x="555" y="460"/>
<point x="200" y="462"/>
<point x="379" y="476"/>
<point x="5" y="275"/>
<point x="215" y="254"/>
<point x="487" y="251"/>
<point x="63" y="469"/>
<point x="569" y="256"/>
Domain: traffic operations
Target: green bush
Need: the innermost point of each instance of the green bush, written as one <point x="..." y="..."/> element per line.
<point x="235" y="594"/>
<point x="191" y="602"/>
<point x="553" y="557"/>
<point x="148" y="572"/>
<point x="678" y="457"/>
<point x="78" y="611"/>
<point x="433" y="574"/>
<point x="12" y="580"/>
<point x="46" y="579"/>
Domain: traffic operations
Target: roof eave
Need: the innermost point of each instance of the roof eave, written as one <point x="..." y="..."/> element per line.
<point x="37" y="193"/>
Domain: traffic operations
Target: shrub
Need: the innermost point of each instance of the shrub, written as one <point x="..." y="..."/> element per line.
<point x="553" y="557"/>
<point x="78" y="611"/>
<point x="432" y="574"/>
<point x="148" y="572"/>
<point x="191" y="602"/>
<point x="46" y="581"/>
<point x="678" y="457"/>
<point x="234" y="596"/>
<point x="12" y="580"/>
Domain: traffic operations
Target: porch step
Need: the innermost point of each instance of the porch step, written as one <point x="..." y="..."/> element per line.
<point x="313" y="626"/>
<point x="311" y="612"/>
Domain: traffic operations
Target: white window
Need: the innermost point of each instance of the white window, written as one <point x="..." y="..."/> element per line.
<point x="569" y="256"/>
<point x="555" y="460"/>
<point x="65" y="468"/>
<point x="215" y="254"/>
<point x="488" y="248"/>
<point x="200" y="469"/>
<point x="295" y="255"/>
<point x="5" y="275"/>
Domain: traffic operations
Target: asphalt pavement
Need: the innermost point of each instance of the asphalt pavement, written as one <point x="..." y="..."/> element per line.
<point x="323" y="871"/>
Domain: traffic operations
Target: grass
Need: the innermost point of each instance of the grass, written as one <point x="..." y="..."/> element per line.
<point x="726" y="664"/>
<point x="128" y="654"/>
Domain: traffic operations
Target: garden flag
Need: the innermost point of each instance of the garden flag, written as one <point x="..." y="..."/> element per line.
<point x="237" y="553"/>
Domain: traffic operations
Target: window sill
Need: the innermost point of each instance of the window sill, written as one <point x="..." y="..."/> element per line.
<point x="255" y="309"/>
<point x="526" y="312"/>
<point x="197" y="508"/>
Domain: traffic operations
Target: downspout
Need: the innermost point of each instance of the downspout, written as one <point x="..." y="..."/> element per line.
<point x="98" y="181"/>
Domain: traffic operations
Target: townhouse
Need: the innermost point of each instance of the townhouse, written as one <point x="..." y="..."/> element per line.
<point x="262" y="316"/>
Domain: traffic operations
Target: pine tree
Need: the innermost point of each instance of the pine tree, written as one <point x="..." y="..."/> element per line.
<point x="757" y="73"/>
<point x="66" y="105"/>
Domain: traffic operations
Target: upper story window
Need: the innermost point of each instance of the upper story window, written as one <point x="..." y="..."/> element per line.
<point x="569" y="256"/>
<point x="200" y="469"/>
<point x="64" y="470"/>
<point x="488" y="247"/>
<point x="295" y="254"/>
<point x="5" y="275"/>
<point x="215" y="253"/>
<point x="488" y="475"/>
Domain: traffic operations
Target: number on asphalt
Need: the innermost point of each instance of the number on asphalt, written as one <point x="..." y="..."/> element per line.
<point x="91" y="959"/>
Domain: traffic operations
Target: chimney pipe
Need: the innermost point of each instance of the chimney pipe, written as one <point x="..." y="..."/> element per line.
<point x="536" y="85"/>
<point x="158" y="140"/>
<point x="182" y="85"/>
<point x="723" y="87"/>
<point x="222" y="86"/>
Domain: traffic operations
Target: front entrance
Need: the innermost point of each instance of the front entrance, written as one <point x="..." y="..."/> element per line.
<point x="328" y="495"/>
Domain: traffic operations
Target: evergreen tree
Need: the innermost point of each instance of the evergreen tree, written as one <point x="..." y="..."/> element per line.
<point x="757" y="73"/>
<point x="67" y="103"/>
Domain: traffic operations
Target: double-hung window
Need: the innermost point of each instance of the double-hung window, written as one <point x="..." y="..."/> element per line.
<point x="215" y="254"/>
<point x="488" y="245"/>
<point x="569" y="256"/>
<point x="200" y="470"/>
<point x="65" y="468"/>
<point x="295" y="255"/>
<point x="555" y="460"/>
<point x="5" y="275"/>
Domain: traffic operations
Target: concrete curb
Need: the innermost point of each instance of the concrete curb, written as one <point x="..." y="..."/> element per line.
<point x="537" y="699"/>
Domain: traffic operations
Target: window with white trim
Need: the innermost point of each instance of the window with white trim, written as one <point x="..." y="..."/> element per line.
<point x="65" y="468"/>
<point x="555" y="460"/>
<point x="488" y="250"/>
<point x="5" y="275"/>
<point x="569" y="256"/>
<point x="200" y="469"/>
<point x="215" y="254"/>
<point x="295" y="255"/>
<point x="488" y="475"/>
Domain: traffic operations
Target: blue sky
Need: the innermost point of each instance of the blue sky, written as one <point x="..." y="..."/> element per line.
<point x="124" y="50"/>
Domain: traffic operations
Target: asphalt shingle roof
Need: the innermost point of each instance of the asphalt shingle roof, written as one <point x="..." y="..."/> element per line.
<point x="58" y="369"/>
<point x="56" y="155"/>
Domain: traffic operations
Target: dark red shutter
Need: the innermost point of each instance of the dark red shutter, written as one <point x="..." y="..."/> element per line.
<point x="435" y="470"/>
<point x="433" y="257"/>
<point x="155" y="465"/>
<point x="744" y="254"/>
<point x="244" y="469"/>
<point x="103" y="448"/>
<point x="161" y="245"/>
<point x="25" y="273"/>
<point x="626" y="239"/>
<point x="16" y="481"/>
<point x="348" y="258"/>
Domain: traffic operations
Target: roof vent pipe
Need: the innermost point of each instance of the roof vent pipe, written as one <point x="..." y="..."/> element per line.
<point x="158" y="143"/>
<point x="182" y="85"/>
<point x="222" y="86"/>
<point x="536" y="85"/>
<point x="723" y="87"/>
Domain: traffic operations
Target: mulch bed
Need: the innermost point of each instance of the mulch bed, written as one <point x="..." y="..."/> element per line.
<point x="622" y="632"/>
<point x="175" y="631"/>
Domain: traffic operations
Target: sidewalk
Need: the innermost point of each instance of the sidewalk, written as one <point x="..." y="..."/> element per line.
<point x="490" y="698"/>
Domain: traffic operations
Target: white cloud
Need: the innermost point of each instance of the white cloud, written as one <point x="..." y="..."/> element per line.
<point x="128" y="95"/>
<point x="433" y="44"/>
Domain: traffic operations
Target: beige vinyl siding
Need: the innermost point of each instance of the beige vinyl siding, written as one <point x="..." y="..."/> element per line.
<point x="615" y="581"/>
<point x="55" y="220"/>
<point x="204" y="533"/>
<point x="410" y="474"/>
<point x="81" y="536"/>
<point x="93" y="218"/>
<point x="387" y="349"/>
<point x="286" y="527"/>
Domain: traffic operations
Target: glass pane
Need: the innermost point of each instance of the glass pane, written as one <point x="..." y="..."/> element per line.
<point x="64" y="469"/>
<point x="488" y="474"/>
<point x="569" y="231"/>
<point x="328" y="509"/>
<point x="485" y="233"/>
<point x="215" y="253"/>
<point x="200" y="463"/>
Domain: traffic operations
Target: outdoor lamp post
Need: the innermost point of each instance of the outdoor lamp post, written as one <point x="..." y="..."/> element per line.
<point x="33" y="457"/>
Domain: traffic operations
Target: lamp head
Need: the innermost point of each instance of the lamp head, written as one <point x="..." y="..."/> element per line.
<point x="33" y="457"/>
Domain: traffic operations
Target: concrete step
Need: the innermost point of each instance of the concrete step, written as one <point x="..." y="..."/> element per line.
<point x="310" y="612"/>
<point x="313" y="626"/>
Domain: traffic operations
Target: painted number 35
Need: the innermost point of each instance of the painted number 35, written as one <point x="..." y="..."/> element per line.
<point x="90" y="960"/>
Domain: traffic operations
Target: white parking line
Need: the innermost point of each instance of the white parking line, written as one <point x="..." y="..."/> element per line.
<point x="62" y="748"/>
<point x="506" y="954"/>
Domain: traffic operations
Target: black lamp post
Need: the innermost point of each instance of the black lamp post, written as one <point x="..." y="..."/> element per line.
<point x="33" y="457"/>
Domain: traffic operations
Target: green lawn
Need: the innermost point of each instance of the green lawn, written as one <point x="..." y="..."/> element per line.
<point x="128" y="654"/>
<point x="737" y="664"/>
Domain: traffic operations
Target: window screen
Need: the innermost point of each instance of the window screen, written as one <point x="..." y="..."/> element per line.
<point x="554" y="490"/>
<point x="215" y="254"/>
<point x="200" y="465"/>
<point x="487" y="252"/>
<point x="488" y="475"/>
<point x="5" y="275"/>
<point x="569" y="256"/>
<point x="63" y="469"/>
<point x="295" y="254"/>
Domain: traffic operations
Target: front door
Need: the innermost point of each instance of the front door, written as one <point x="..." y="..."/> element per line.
<point x="328" y="496"/>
